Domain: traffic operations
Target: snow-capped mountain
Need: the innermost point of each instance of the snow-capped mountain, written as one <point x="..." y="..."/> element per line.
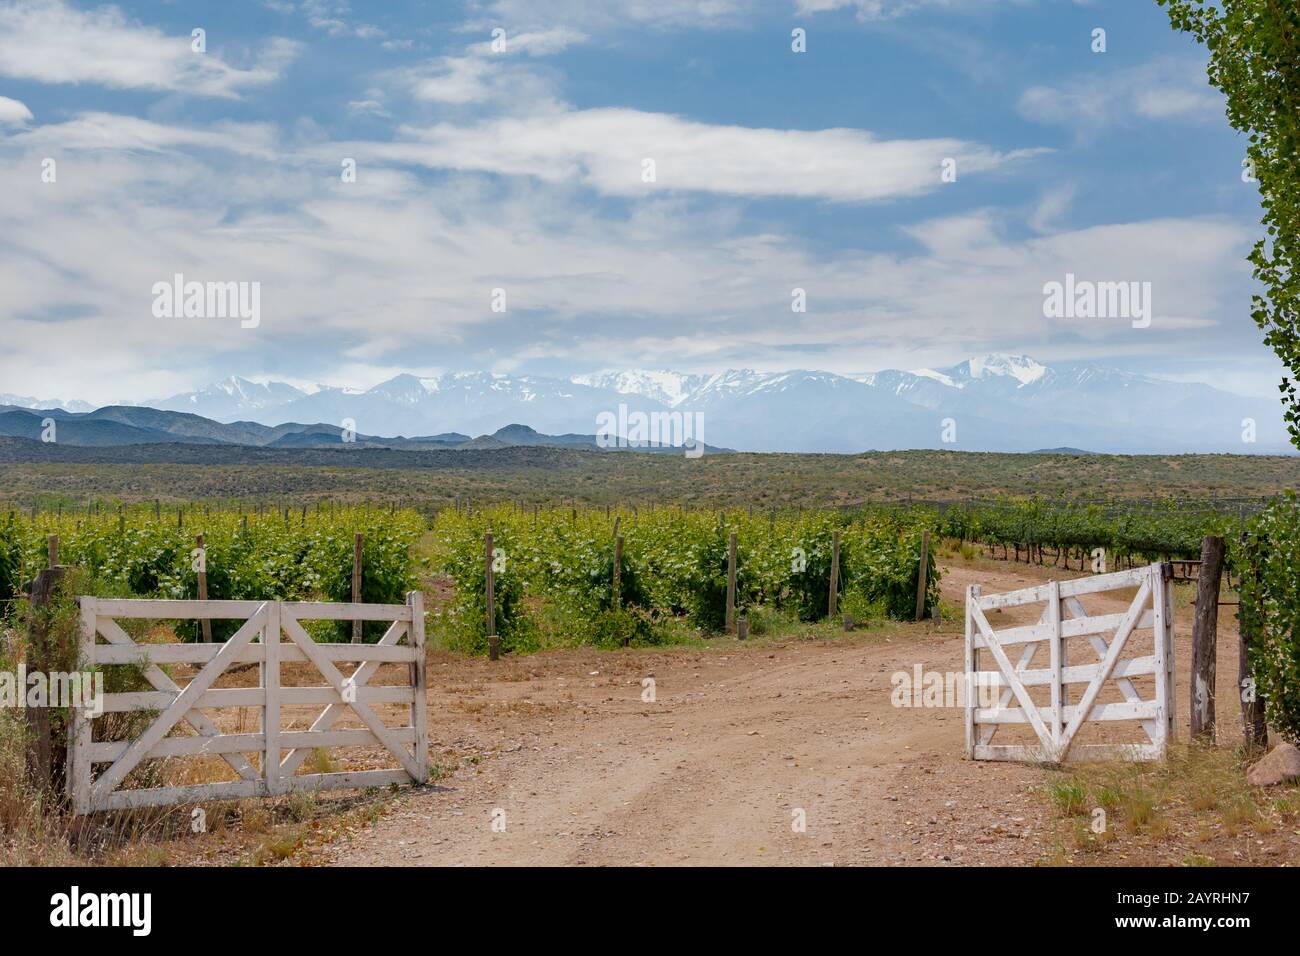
<point x="668" y="388"/>
<point x="231" y="399"/>
<point x="993" y="402"/>
<point x="26" y="401"/>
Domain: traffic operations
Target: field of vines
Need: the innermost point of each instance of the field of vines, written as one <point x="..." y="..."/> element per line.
<point x="553" y="567"/>
<point x="1129" y="534"/>
<point x="553" y="570"/>
<point x="263" y="555"/>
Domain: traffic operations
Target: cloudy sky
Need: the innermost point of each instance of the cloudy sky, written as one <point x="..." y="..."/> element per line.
<point x="521" y="166"/>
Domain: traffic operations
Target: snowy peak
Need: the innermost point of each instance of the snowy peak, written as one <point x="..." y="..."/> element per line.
<point x="26" y="401"/>
<point x="1019" y="367"/>
<point x="404" y="389"/>
<point x="668" y="388"/>
<point x="232" y="397"/>
<point x="1005" y="402"/>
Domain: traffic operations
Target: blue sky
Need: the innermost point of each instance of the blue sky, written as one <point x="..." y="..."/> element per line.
<point x="521" y="170"/>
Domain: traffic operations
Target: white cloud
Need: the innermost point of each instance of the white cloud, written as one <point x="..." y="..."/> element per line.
<point x="884" y="9"/>
<point x="13" y="112"/>
<point x="1164" y="89"/>
<point x="480" y="74"/>
<point x="535" y="42"/>
<point x="604" y="149"/>
<point x="371" y="107"/>
<point x="51" y="42"/>
<point x="1052" y="207"/>
<point x="453" y="79"/>
<point x="615" y="14"/>
<point x="397" y="270"/>
<point x="112" y="131"/>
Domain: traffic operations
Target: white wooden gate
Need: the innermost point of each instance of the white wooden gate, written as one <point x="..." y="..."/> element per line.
<point x="1054" y="720"/>
<point x="277" y="754"/>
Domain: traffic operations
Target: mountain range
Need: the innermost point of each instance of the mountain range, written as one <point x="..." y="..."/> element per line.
<point x="989" y="403"/>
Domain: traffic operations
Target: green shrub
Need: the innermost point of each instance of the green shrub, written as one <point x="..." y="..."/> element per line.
<point x="1268" y="564"/>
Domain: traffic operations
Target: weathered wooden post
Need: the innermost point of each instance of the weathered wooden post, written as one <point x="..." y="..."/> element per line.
<point x="731" y="584"/>
<point x="617" y="583"/>
<point x="922" y="574"/>
<point x="44" y="761"/>
<point x="358" y="543"/>
<point x="202" y="570"/>
<point x="52" y="549"/>
<point x="1205" y="639"/>
<point x="493" y="651"/>
<point x="833" y="599"/>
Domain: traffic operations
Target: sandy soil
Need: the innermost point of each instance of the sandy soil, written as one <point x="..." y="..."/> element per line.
<point x="741" y="741"/>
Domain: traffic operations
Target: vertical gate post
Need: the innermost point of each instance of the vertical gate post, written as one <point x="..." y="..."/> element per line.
<point x="972" y="664"/>
<point x="43" y="763"/>
<point x="419" y="680"/>
<point x="1205" y="635"/>
<point x="1056" y="656"/>
<point x="271" y="701"/>
<point x="79" y="734"/>
<point x="1161" y="629"/>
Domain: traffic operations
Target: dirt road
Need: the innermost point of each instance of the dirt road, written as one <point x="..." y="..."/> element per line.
<point x="557" y="759"/>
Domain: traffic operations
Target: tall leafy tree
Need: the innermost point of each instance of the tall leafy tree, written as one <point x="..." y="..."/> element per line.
<point x="1254" y="50"/>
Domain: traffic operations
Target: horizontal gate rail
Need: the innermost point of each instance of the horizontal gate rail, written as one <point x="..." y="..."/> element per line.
<point x="1056" y="722"/>
<point x="266" y="761"/>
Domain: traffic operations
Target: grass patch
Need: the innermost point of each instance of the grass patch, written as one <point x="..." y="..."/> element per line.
<point x="1192" y="809"/>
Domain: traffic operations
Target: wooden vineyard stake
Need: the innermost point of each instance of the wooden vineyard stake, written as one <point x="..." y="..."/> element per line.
<point x="617" y="583"/>
<point x="921" y="577"/>
<point x="833" y="599"/>
<point x="357" y="544"/>
<point x="203" y="586"/>
<point x="493" y="646"/>
<point x="731" y="584"/>
<point x="1205" y="639"/>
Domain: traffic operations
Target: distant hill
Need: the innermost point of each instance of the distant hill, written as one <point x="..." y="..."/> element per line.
<point x="995" y="402"/>
<point x="121" y="425"/>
